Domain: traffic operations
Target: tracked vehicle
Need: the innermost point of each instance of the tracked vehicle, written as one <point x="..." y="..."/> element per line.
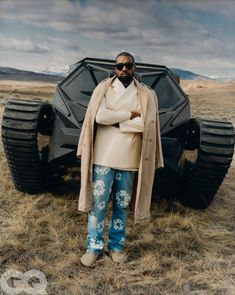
<point x="194" y="183"/>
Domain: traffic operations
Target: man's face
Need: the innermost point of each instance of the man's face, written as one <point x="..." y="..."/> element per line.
<point x="124" y="74"/>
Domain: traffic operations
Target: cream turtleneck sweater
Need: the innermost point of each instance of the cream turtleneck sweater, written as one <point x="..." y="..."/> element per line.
<point x="114" y="147"/>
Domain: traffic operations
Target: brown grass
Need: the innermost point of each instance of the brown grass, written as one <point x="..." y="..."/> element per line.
<point x="182" y="251"/>
<point x="25" y="90"/>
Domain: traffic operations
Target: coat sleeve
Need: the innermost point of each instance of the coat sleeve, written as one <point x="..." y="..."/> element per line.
<point x="106" y="116"/>
<point x="135" y="125"/>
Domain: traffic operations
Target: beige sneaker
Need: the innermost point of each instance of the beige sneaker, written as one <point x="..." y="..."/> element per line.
<point x="118" y="256"/>
<point x="89" y="259"/>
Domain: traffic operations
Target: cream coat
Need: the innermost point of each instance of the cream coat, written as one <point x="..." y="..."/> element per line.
<point x="151" y="152"/>
<point x="123" y="142"/>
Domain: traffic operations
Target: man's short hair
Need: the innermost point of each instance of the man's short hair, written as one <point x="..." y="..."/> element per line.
<point x="124" y="53"/>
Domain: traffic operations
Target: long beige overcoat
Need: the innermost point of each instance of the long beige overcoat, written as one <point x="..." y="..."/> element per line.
<point x="151" y="152"/>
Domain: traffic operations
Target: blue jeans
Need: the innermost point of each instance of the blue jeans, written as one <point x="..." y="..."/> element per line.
<point x="106" y="181"/>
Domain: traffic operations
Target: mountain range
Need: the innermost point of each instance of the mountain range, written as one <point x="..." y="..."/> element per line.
<point x="187" y="75"/>
<point x="23" y="75"/>
<point x="7" y="73"/>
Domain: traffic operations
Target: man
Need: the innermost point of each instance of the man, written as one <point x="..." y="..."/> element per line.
<point x="126" y="141"/>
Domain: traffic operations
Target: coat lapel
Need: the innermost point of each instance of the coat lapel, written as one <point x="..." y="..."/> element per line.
<point x="120" y="90"/>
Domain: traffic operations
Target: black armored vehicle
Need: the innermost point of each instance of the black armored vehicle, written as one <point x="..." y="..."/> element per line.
<point x="193" y="182"/>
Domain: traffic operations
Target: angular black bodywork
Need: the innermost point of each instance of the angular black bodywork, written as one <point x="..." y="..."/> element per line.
<point x="193" y="183"/>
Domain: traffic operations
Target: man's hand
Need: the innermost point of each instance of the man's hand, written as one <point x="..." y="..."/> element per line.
<point x="134" y="115"/>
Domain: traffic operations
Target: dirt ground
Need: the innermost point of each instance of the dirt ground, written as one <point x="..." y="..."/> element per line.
<point x="182" y="251"/>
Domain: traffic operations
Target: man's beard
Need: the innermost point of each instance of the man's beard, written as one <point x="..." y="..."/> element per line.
<point x="125" y="79"/>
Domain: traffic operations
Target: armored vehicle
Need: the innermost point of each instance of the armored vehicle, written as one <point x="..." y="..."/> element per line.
<point x="193" y="182"/>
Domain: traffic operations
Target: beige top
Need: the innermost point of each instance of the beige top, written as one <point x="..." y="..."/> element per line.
<point x="114" y="147"/>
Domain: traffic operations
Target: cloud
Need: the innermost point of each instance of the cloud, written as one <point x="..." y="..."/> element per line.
<point x="192" y="34"/>
<point x="225" y="7"/>
<point x="22" y="45"/>
<point x="58" y="15"/>
<point x="152" y="23"/>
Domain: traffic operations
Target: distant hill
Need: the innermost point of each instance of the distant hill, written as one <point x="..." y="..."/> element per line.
<point x="21" y="75"/>
<point x="187" y="75"/>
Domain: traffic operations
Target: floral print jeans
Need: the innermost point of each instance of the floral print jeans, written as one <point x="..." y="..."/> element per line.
<point x="105" y="181"/>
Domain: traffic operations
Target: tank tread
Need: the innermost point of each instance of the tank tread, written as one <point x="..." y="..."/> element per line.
<point x="217" y="140"/>
<point x="19" y="135"/>
<point x="207" y="165"/>
<point x="215" y="154"/>
<point x="218" y="124"/>
<point x="23" y="150"/>
<point x="218" y="131"/>
<point x="214" y="149"/>
<point x="25" y="102"/>
<point x="20" y="115"/>
<point x="14" y="125"/>
<point x="19" y="142"/>
<point x="22" y="157"/>
<point x="18" y="108"/>
<point x="215" y="159"/>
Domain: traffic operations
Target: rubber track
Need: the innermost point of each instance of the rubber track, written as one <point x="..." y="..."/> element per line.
<point x="19" y="136"/>
<point x="215" y="154"/>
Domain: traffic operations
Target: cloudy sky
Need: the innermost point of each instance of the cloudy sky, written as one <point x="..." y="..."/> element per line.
<point x="196" y="35"/>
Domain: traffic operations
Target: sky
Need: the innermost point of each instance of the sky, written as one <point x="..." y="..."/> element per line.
<point x="194" y="35"/>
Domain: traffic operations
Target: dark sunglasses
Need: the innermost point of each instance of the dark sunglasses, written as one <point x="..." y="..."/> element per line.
<point x="128" y="65"/>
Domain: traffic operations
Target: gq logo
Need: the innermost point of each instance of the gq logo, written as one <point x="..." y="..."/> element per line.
<point x="21" y="282"/>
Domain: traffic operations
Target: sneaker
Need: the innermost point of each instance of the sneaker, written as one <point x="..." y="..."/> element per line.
<point x="89" y="259"/>
<point x="118" y="256"/>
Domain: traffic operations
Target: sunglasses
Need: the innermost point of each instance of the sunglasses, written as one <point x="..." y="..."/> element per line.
<point x="128" y="65"/>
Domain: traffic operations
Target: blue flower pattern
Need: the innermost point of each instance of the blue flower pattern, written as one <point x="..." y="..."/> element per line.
<point x="123" y="198"/>
<point x="106" y="180"/>
<point x="98" y="188"/>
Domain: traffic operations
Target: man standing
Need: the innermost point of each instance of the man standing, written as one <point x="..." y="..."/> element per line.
<point x="126" y="141"/>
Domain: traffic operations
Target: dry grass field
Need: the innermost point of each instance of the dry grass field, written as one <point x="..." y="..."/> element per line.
<point x="182" y="251"/>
